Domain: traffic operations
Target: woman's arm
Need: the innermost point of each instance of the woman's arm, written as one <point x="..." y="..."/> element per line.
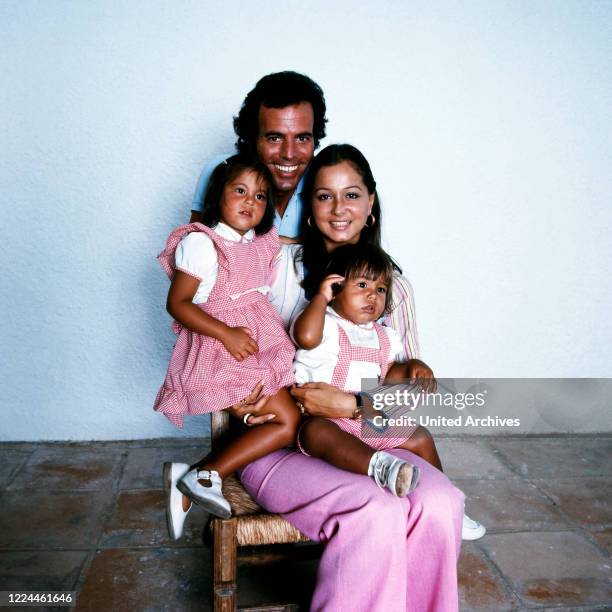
<point x="403" y="318"/>
<point x="236" y="340"/>
<point x="325" y="400"/>
<point x="308" y="327"/>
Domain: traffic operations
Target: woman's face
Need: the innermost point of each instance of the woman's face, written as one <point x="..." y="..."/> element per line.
<point x="340" y="204"/>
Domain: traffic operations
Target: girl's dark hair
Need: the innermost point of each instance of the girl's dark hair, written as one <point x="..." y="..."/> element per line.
<point x="227" y="171"/>
<point x="366" y="261"/>
<point x="278" y="90"/>
<point x="313" y="253"/>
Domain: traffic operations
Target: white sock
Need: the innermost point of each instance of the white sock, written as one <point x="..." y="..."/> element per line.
<point x="372" y="463"/>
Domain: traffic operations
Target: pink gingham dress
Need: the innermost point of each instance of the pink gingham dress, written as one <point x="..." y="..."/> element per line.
<point x="382" y="356"/>
<point x="202" y="376"/>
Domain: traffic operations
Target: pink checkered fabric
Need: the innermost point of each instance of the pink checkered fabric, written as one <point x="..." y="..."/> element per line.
<point x="381" y="355"/>
<point x="202" y="376"/>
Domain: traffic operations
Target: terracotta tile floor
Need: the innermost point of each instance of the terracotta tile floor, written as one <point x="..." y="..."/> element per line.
<point x="90" y="517"/>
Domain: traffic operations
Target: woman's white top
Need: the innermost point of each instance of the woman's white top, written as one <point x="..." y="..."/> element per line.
<point x="196" y="255"/>
<point x="287" y="296"/>
<point x="318" y="364"/>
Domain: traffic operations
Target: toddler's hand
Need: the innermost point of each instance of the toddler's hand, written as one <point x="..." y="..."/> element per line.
<point x="420" y="372"/>
<point x="326" y="286"/>
<point x="239" y="343"/>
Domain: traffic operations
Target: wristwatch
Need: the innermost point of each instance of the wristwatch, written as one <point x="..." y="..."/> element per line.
<point x="359" y="396"/>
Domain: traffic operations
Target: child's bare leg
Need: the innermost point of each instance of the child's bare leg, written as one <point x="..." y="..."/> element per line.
<point x="421" y="443"/>
<point x="259" y="440"/>
<point x="324" y="439"/>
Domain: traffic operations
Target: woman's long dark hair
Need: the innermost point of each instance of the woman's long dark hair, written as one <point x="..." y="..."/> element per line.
<point x="313" y="253"/>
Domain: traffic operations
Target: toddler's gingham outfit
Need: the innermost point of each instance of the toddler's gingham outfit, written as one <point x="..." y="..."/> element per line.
<point x="202" y="376"/>
<point x="348" y="353"/>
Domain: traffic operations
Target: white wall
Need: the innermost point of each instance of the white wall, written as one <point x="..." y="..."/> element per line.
<point x="488" y="126"/>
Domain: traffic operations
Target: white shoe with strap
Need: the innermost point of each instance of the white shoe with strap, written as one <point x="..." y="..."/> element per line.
<point x="397" y="475"/>
<point x="210" y="497"/>
<point x="175" y="514"/>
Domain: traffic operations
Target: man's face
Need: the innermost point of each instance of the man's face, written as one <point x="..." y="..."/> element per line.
<point x="285" y="143"/>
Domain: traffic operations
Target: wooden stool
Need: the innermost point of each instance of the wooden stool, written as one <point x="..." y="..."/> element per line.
<point x="263" y="537"/>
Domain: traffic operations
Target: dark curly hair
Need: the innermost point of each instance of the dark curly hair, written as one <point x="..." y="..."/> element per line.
<point x="278" y="90"/>
<point x="362" y="260"/>
<point x="313" y="252"/>
<point x="227" y="171"/>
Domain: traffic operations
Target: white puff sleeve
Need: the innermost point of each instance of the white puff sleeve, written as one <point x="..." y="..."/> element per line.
<point x="196" y="255"/>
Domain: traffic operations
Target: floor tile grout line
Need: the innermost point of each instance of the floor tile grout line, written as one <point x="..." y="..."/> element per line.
<point x="577" y="531"/>
<point x="58" y="549"/>
<point x="501" y="454"/>
<point x="105" y="517"/>
<point x="508" y="586"/>
<point x="578" y="527"/>
<point x="595" y="607"/>
<point x="170" y="441"/>
<point x="17" y="470"/>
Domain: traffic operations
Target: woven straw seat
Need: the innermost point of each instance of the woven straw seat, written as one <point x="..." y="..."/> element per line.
<point x="251" y="528"/>
<point x="255" y="526"/>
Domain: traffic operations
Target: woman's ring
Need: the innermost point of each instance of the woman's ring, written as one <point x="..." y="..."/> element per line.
<point x="245" y="418"/>
<point x="301" y="407"/>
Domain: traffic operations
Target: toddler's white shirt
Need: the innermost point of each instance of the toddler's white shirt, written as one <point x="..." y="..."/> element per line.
<point x="318" y="364"/>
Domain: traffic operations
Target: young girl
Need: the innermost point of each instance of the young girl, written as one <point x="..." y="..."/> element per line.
<point x="341" y="343"/>
<point x="229" y="335"/>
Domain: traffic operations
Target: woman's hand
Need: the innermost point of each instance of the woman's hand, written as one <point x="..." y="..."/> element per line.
<point x="326" y="286"/>
<point x="239" y="342"/>
<point x="287" y="240"/>
<point x="322" y="399"/>
<point x="252" y="404"/>
<point x="419" y="371"/>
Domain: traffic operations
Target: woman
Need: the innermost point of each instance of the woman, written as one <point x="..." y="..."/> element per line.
<point x="382" y="553"/>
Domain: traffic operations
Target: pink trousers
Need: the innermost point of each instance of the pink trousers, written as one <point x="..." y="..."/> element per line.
<point x="382" y="553"/>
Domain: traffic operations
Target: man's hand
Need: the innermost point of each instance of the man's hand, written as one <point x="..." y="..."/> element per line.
<point x="287" y="240"/>
<point x="322" y="399"/>
<point x="239" y="343"/>
<point x="252" y="404"/>
<point x="419" y="371"/>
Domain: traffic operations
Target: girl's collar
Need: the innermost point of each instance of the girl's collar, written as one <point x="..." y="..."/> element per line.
<point x="331" y="311"/>
<point x="229" y="233"/>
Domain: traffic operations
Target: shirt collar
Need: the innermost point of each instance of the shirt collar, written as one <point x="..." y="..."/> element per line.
<point x="229" y="233"/>
<point x="332" y="312"/>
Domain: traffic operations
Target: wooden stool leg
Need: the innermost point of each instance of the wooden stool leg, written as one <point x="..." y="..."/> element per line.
<point x="224" y="551"/>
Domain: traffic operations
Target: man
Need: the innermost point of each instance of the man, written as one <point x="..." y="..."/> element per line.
<point x="282" y="121"/>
